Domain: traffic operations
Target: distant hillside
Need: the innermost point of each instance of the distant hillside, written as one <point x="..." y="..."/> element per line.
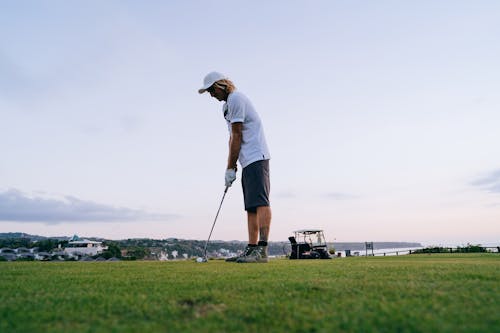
<point x="16" y="235"/>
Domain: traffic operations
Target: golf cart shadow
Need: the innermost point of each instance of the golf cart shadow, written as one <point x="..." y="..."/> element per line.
<point x="309" y="244"/>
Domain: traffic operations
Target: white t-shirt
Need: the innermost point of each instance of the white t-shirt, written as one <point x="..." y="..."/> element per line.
<point x="239" y="109"/>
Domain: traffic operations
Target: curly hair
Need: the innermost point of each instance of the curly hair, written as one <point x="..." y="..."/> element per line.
<point x="227" y="85"/>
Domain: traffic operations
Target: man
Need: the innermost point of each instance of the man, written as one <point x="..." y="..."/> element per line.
<point x="247" y="144"/>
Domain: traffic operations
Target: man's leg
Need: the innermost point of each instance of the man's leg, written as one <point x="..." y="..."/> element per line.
<point x="259" y="224"/>
<point x="258" y="229"/>
<point x="264" y="219"/>
<point x="264" y="222"/>
<point x="253" y="227"/>
<point x="253" y="236"/>
<point x="255" y="181"/>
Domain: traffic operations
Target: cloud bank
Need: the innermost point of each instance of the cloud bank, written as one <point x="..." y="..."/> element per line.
<point x="490" y="182"/>
<point x="340" y="196"/>
<point x="16" y="206"/>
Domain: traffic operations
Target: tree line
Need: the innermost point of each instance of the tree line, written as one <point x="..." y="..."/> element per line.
<point x="145" y="248"/>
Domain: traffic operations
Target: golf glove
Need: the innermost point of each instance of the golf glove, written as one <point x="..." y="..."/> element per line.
<point x="230" y="177"/>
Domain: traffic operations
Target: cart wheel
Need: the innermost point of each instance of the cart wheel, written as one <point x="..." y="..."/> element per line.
<point x="325" y="255"/>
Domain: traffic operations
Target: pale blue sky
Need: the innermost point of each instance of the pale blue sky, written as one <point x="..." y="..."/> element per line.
<point x="382" y="117"/>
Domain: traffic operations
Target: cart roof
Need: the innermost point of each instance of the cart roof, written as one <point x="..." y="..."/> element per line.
<point x="308" y="231"/>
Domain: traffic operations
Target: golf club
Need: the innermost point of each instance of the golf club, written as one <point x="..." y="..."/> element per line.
<point x="204" y="258"/>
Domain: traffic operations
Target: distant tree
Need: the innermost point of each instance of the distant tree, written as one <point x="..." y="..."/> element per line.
<point x="15" y="243"/>
<point x="47" y="245"/>
<point x="112" y="251"/>
<point x="137" y="252"/>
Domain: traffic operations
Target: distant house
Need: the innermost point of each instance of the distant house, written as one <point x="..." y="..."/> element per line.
<point x="78" y="246"/>
<point x="15" y="254"/>
<point x="42" y="256"/>
<point x="21" y="250"/>
<point x="8" y="256"/>
<point x="8" y="250"/>
<point x="26" y="256"/>
<point x="163" y="256"/>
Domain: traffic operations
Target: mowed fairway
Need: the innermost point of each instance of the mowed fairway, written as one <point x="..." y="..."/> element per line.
<point x="417" y="293"/>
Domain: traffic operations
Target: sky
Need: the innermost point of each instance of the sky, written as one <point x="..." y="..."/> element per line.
<point x="382" y="117"/>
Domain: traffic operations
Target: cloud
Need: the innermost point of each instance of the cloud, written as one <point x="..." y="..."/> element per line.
<point x="16" y="206"/>
<point x="489" y="182"/>
<point x="13" y="83"/>
<point x="286" y="194"/>
<point x="340" y="196"/>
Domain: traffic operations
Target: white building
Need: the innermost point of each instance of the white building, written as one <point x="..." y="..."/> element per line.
<point x="78" y="246"/>
<point x="163" y="256"/>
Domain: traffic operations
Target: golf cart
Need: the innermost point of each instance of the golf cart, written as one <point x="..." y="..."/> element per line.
<point x="309" y="244"/>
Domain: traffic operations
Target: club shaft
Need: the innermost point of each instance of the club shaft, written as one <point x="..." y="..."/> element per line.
<point x="213" y="225"/>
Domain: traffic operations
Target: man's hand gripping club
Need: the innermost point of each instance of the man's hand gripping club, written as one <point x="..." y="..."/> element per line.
<point x="230" y="177"/>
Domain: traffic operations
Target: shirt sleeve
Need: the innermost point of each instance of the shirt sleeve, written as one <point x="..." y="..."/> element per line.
<point x="236" y="113"/>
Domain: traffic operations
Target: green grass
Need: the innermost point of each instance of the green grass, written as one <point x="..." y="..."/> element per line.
<point x="418" y="293"/>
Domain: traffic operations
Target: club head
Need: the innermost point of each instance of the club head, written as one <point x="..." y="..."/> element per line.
<point x="200" y="259"/>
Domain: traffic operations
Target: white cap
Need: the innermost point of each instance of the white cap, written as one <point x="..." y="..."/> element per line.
<point x="210" y="79"/>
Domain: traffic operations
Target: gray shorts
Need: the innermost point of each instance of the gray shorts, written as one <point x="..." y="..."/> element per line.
<point x="256" y="185"/>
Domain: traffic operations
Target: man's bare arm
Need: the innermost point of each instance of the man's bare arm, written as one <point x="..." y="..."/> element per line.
<point x="234" y="144"/>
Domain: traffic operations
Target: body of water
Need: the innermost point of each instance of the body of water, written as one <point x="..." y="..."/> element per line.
<point x="380" y="252"/>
